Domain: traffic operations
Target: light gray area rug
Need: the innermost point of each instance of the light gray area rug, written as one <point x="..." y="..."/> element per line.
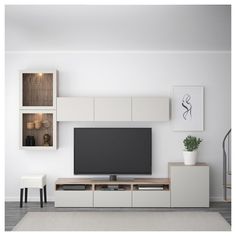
<point x="122" y="221"/>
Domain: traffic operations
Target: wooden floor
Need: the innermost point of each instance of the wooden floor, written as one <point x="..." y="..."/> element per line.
<point x="13" y="213"/>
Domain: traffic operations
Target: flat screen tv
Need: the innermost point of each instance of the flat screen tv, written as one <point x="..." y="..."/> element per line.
<point x="112" y="151"/>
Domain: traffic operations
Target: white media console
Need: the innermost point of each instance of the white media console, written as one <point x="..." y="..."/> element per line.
<point x="187" y="186"/>
<point x="105" y="193"/>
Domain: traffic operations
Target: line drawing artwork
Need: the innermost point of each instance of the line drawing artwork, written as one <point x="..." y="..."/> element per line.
<point x="186" y="104"/>
<point x="188" y="108"/>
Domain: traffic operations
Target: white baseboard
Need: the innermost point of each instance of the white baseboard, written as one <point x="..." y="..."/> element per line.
<point x="30" y="199"/>
<point x="50" y="198"/>
<point x="216" y="199"/>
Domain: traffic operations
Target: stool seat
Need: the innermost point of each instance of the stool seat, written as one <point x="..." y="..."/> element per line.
<point x="33" y="181"/>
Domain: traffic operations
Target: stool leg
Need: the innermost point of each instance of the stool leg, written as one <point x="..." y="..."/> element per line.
<point x="41" y="197"/>
<point x="26" y="194"/>
<point x="21" y="197"/>
<point x="45" y="193"/>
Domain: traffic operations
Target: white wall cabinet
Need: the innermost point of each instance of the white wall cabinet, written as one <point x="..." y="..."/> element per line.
<point x="75" y="109"/>
<point x="189" y="185"/>
<point x="48" y="125"/>
<point x="150" y="109"/>
<point x="38" y="91"/>
<point x="112" y="109"/>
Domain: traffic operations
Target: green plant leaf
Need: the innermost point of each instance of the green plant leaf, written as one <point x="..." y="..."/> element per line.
<point x="191" y="143"/>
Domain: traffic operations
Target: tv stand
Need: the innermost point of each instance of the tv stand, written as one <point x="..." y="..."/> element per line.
<point x="187" y="186"/>
<point x="113" y="178"/>
<point x="81" y="192"/>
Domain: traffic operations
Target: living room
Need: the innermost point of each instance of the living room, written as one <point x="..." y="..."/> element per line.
<point x="120" y="113"/>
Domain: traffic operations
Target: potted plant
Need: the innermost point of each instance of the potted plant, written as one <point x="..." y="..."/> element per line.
<point x="191" y="145"/>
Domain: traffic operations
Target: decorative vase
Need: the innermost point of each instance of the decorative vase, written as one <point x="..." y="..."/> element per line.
<point x="30" y="141"/>
<point x="190" y="158"/>
<point x="30" y="125"/>
<point x="46" y="140"/>
<point x="37" y="124"/>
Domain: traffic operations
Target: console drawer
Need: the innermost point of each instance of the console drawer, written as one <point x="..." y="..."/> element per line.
<point x="74" y="198"/>
<point x="151" y="198"/>
<point x="112" y="198"/>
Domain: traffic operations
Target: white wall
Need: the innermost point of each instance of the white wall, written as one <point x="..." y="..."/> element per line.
<point x="121" y="74"/>
<point x="120" y="27"/>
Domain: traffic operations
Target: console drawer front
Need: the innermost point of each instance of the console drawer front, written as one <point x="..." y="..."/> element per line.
<point x="151" y="198"/>
<point x="74" y="199"/>
<point x="112" y="199"/>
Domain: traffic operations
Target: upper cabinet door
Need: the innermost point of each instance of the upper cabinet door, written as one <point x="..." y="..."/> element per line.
<point x="150" y="109"/>
<point x="113" y="109"/>
<point x="75" y="109"/>
<point x="38" y="89"/>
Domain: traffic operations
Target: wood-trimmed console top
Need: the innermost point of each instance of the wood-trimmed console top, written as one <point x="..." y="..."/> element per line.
<point x="62" y="181"/>
<point x="92" y="182"/>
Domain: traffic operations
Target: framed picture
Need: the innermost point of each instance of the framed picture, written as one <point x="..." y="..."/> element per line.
<point x="188" y="108"/>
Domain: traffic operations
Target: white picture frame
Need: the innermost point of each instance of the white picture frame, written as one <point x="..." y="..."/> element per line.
<point x="188" y="108"/>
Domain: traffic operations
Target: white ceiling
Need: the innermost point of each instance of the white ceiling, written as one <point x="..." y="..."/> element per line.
<point x="78" y="27"/>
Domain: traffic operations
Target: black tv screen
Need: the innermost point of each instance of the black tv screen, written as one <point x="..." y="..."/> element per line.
<point x="112" y="151"/>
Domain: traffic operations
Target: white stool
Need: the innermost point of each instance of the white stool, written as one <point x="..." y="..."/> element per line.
<point x="33" y="181"/>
